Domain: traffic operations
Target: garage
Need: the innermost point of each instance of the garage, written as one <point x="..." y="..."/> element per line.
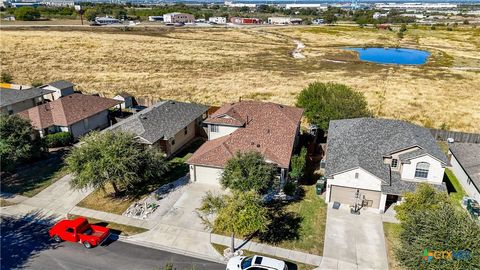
<point x="346" y="195"/>
<point x="205" y="175"/>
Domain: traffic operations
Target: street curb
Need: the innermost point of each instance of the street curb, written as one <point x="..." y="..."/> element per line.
<point x="167" y="248"/>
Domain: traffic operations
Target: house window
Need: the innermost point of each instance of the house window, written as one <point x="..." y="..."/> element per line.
<point x="85" y="123"/>
<point x="185" y="130"/>
<point x="173" y="142"/>
<point x="469" y="181"/>
<point x="394" y="163"/>
<point x="10" y="110"/>
<point x="356" y="175"/>
<point x="422" y="170"/>
<point x="213" y="128"/>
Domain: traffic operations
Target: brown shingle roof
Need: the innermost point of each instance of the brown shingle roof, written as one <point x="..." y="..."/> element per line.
<point x="67" y="110"/>
<point x="267" y="127"/>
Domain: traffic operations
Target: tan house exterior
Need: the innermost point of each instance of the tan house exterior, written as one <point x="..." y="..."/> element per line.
<point x="168" y="125"/>
<point x="16" y="100"/>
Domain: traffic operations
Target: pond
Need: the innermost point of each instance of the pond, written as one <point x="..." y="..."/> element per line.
<point x="398" y="56"/>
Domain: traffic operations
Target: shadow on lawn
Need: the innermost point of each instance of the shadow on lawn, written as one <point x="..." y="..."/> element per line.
<point x="24" y="238"/>
<point x="284" y="226"/>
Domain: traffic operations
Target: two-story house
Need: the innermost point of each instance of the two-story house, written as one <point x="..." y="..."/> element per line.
<point x="61" y="88"/>
<point x="269" y="128"/>
<point x="374" y="161"/>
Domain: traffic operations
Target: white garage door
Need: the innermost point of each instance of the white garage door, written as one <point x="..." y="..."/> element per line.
<point x="207" y="175"/>
<point x="347" y="195"/>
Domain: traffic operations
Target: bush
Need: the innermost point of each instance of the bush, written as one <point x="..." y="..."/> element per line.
<point x="58" y="139"/>
<point x="5" y="77"/>
<point x="26" y="14"/>
<point x="290" y="188"/>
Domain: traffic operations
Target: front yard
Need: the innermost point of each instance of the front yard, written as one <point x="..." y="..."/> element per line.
<point x="104" y="200"/>
<point x="30" y="179"/>
<point x="299" y="225"/>
<point x="455" y="190"/>
<point x="392" y="235"/>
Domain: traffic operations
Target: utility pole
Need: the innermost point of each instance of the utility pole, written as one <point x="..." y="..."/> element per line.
<point x="80" y="11"/>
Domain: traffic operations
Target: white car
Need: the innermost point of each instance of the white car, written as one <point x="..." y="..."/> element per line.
<point x="255" y="263"/>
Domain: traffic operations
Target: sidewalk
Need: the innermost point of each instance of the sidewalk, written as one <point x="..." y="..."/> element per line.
<point x="295" y="256"/>
<point x="109" y="217"/>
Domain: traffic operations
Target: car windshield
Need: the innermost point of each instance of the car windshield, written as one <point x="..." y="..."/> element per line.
<point x="247" y="262"/>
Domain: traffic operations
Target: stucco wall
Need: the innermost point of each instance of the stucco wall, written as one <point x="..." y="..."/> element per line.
<point x="181" y="138"/>
<point x="222" y="131"/>
<point x="20" y="106"/>
<point x="435" y="174"/>
<point x="365" y="180"/>
<point x="99" y="120"/>
<point x="60" y="93"/>
<point x="463" y="179"/>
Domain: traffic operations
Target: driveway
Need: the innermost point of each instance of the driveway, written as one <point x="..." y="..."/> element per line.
<point x="354" y="241"/>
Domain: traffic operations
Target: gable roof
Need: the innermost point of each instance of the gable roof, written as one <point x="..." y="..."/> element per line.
<point x="364" y="142"/>
<point x="62" y="84"/>
<point x="266" y="127"/>
<point x="12" y="96"/>
<point x="468" y="155"/>
<point x="67" y="110"/>
<point x="161" y="121"/>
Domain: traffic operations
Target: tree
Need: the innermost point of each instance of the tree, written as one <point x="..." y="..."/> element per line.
<point x="329" y="101"/>
<point x="26" y="14"/>
<point x="6" y="77"/>
<point x="248" y="171"/>
<point x="17" y="143"/>
<point x="424" y="198"/>
<point x="90" y="14"/>
<point x="116" y="158"/>
<point x="298" y="165"/>
<point x="242" y="214"/>
<point x="445" y="229"/>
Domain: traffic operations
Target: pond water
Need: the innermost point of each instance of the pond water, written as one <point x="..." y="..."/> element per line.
<point x="398" y="56"/>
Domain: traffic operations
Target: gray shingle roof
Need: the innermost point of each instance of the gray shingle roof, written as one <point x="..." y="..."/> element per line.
<point x="161" y="121"/>
<point x="363" y="142"/>
<point x="12" y="96"/>
<point x="468" y="155"/>
<point x="398" y="186"/>
<point x="405" y="157"/>
<point x="62" y="84"/>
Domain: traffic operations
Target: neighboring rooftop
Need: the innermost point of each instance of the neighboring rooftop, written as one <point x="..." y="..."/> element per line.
<point x="266" y="127"/>
<point x="468" y="155"/>
<point x="67" y="110"/>
<point x="12" y="96"/>
<point x="161" y="121"/>
<point x="364" y="142"/>
<point x="62" y="84"/>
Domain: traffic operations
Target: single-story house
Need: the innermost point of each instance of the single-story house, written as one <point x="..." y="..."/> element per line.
<point x="374" y="161"/>
<point x="75" y="113"/>
<point x="269" y="128"/>
<point x="239" y="20"/>
<point x="61" y="89"/>
<point x="126" y="99"/>
<point x="217" y="20"/>
<point x="177" y="17"/>
<point x="168" y="125"/>
<point x="465" y="161"/>
<point x="17" y="100"/>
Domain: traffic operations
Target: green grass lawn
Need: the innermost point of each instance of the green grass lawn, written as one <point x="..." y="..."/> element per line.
<point x="392" y="239"/>
<point x="30" y="179"/>
<point x="116" y="228"/>
<point x="298" y="225"/>
<point x="103" y="199"/>
<point x="455" y="190"/>
<point x="291" y="264"/>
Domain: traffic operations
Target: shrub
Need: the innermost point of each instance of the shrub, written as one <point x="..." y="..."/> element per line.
<point x="6" y="77"/>
<point x="58" y="139"/>
<point x="26" y="14"/>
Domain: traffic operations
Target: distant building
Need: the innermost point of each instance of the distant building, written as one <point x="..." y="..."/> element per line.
<point x="177" y="17"/>
<point x="378" y="15"/>
<point x="318" y="21"/>
<point x="58" y="3"/>
<point x="24" y="4"/>
<point x="106" y="20"/>
<point x="231" y="4"/>
<point x="62" y="88"/>
<point x="155" y="18"/>
<point x="218" y="20"/>
<point x="9" y="18"/>
<point x="415" y="6"/>
<point x="126" y="99"/>
<point x="14" y="100"/>
<point x="238" y="20"/>
<point x="284" y="20"/>
<point x="317" y="6"/>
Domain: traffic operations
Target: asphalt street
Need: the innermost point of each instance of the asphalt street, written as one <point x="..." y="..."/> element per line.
<point x="26" y="245"/>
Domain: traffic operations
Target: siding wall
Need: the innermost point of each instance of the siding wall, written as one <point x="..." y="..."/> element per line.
<point x="97" y="121"/>
<point x="435" y="174"/>
<point x="181" y="139"/>
<point x="463" y="179"/>
<point x="347" y="179"/>
<point x="20" y="106"/>
<point x="222" y="131"/>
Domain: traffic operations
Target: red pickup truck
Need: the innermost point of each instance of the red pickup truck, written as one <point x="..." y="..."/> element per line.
<point x="79" y="230"/>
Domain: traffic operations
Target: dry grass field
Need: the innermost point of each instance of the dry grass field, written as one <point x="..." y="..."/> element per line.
<point x="221" y="65"/>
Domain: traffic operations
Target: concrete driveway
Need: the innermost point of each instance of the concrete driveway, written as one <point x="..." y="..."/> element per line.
<point x="354" y="241"/>
<point x="183" y="209"/>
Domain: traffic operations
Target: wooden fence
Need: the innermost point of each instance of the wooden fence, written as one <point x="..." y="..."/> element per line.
<point x="443" y="135"/>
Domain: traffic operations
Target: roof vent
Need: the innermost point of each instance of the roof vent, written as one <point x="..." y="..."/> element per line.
<point x="252" y="143"/>
<point x="258" y="145"/>
<point x="172" y="102"/>
<point x="143" y="116"/>
<point x="268" y="131"/>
